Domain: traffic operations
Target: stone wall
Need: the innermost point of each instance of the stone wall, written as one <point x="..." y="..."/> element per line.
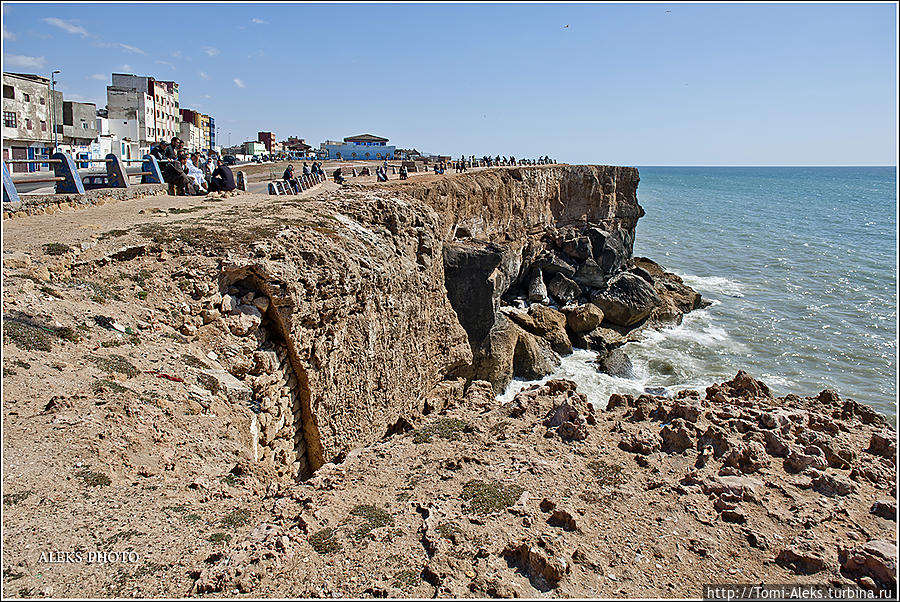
<point x="37" y="204"/>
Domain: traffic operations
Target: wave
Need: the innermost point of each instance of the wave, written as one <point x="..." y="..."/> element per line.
<point x="714" y="284"/>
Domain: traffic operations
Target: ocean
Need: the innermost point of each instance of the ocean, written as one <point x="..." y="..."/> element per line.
<point x="800" y="266"/>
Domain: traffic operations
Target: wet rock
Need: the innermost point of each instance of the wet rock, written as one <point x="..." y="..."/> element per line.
<point x="615" y="363"/>
<point x="626" y="300"/>
<point x="533" y="358"/>
<point x="876" y="559"/>
<point x="584" y="318"/>
<point x="563" y="289"/>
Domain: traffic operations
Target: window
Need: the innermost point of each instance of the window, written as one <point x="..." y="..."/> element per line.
<point x="28" y="124"/>
<point x="43" y="126"/>
<point x="26" y="97"/>
<point x="41" y="100"/>
<point x="9" y="119"/>
<point x="9" y="92"/>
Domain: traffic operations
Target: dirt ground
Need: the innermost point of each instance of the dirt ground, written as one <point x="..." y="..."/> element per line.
<point x="123" y="475"/>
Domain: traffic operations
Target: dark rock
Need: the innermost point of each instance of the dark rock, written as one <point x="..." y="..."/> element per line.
<point x="533" y="358"/>
<point x="591" y="275"/>
<point x="563" y="289"/>
<point x="537" y="290"/>
<point x="626" y="300"/>
<point x="550" y="262"/>
<point x="578" y="248"/>
<point x="615" y="363"/>
<point x="885" y="509"/>
<point x="476" y="274"/>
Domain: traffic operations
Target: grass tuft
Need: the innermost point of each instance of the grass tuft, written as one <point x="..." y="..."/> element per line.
<point x="484" y="497"/>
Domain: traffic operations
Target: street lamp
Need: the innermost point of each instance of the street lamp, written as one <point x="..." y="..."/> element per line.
<point x="53" y="108"/>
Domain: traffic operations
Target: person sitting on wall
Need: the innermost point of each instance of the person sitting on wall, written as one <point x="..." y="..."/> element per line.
<point x="195" y="173"/>
<point x="288" y="176"/>
<point x="159" y="151"/>
<point x="404" y="173"/>
<point x="382" y="174"/>
<point x="222" y="178"/>
<point x="306" y="171"/>
<point x="174" y="175"/>
<point x="338" y="176"/>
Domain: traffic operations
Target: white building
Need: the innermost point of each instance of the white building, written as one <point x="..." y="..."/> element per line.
<point x="193" y="137"/>
<point x="151" y="103"/>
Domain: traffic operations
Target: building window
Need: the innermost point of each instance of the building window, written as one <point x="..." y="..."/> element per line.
<point x="9" y="92"/>
<point x="9" y="119"/>
<point x="43" y="126"/>
<point x="42" y="100"/>
<point x="28" y="124"/>
<point x="26" y="97"/>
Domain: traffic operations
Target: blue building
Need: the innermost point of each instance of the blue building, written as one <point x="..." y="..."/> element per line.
<point x="362" y="147"/>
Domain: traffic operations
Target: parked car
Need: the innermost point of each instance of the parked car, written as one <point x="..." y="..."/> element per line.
<point x="229" y="160"/>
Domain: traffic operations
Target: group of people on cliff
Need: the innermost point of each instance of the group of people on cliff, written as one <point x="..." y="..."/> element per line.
<point x="291" y="178"/>
<point x="189" y="174"/>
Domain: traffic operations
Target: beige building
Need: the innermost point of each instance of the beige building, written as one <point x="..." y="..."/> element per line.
<point x="27" y="120"/>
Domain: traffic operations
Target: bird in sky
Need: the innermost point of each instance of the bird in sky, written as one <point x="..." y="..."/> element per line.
<point x="566" y="27"/>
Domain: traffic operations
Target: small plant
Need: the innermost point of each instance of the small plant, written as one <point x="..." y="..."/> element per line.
<point x="324" y="541"/>
<point x="121" y="536"/>
<point x="192" y="518"/>
<point x="219" y="537"/>
<point x="229" y="480"/>
<point x="451" y="429"/>
<point x="56" y="248"/>
<point x="113" y="343"/>
<point x="92" y="478"/>
<point x="450" y="531"/>
<point x="485" y="498"/>
<point x="607" y="474"/>
<point x="142" y="295"/>
<point x="114" y="363"/>
<point x="407" y="578"/>
<point x="11" y="575"/>
<point x="373" y="518"/>
<point x="114" y="233"/>
<point x="67" y="333"/>
<point x="27" y="336"/>
<point x="236" y="518"/>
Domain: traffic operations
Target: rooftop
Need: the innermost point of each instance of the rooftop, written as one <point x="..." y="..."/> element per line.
<point x="365" y="138"/>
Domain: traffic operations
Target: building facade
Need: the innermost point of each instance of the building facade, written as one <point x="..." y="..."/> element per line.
<point x="28" y="121"/>
<point x="152" y="103"/>
<point x="362" y="147"/>
<point x="267" y="138"/>
<point x="79" y="130"/>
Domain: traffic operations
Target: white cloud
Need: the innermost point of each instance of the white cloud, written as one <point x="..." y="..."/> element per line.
<point x="98" y="76"/>
<point x="203" y="74"/>
<point x="167" y="64"/>
<point x="66" y="26"/>
<point x="176" y="54"/>
<point x="26" y="62"/>
<point x="211" y="50"/>
<point x="132" y="49"/>
<point x="258" y="21"/>
<point x="239" y="83"/>
<point x="8" y="36"/>
<point x="126" y="67"/>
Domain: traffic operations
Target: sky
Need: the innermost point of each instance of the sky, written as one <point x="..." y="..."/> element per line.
<point x="623" y="84"/>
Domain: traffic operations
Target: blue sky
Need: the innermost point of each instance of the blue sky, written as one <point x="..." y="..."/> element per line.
<point x="630" y="84"/>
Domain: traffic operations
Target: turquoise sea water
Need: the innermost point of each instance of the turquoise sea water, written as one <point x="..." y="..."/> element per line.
<point x="800" y="264"/>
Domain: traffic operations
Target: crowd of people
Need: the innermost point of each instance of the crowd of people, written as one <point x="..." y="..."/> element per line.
<point x="189" y="173"/>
